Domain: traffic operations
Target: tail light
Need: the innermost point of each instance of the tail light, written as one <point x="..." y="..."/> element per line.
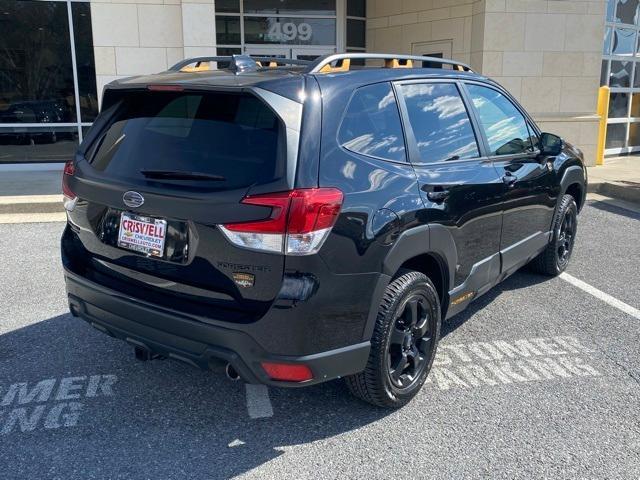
<point x="69" y="198"/>
<point x="299" y="223"/>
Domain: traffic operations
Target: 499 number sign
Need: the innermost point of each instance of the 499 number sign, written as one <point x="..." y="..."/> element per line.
<point x="289" y="31"/>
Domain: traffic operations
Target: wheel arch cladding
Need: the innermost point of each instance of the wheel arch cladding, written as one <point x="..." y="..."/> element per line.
<point x="429" y="249"/>
<point x="573" y="183"/>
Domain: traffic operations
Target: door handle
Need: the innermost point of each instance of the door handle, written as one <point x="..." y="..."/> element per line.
<point x="438" y="196"/>
<point x="509" y="179"/>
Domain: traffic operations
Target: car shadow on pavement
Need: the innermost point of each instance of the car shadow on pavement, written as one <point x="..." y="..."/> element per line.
<point x="606" y="207"/>
<point x="156" y="419"/>
<point x="520" y="279"/>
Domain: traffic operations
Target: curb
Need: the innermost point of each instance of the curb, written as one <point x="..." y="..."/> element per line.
<point x="27" y="204"/>
<point x="627" y="191"/>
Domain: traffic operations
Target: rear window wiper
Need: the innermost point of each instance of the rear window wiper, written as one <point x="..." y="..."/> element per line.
<point x="180" y="175"/>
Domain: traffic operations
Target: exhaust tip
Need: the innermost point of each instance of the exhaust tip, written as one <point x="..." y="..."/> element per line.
<point x="231" y="373"/>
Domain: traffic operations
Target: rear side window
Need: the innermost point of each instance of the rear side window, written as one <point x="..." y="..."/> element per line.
<point x="371" y="125"/>
<point x="503" y="124"/>
<point x="232" y="136"/>
<point x="439" y="121"/>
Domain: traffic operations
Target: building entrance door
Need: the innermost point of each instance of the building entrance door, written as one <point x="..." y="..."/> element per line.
<point x="302" y="53"/>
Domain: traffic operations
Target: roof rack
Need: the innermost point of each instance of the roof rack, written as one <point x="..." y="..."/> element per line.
<point x="333" y="63"/>
<point x="340" y="62"/>
<point x="237" y="63"/>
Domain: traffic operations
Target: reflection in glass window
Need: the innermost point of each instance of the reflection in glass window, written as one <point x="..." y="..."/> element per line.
<point x="616" y="134"/>
<point x="371" y="125"/>
<point x="228" y="6"/>
<point x="228" y="30"/>
<point x="634" y="133"/>
<point x="36" y="73"/>
<point x="620" y="75"/>
<point x="356" y="8"/>
<point x="38" y="144"/>
<point x="635" y="105"/>
<point x="626" y="11"/>
<point x="439" y="121"/>
<point x="290" y="31"/>
<point x="504" y="125"/>
<point x="618" y="104"/>
<point x="603" y="73"/>
<point x="285" y="7"/>
<point x="623" y="41"/>
<point x="606" y="47"/>
<point x="611" y="9"/>
<point x="85" y="62"/>
<point x="355" y="33"/>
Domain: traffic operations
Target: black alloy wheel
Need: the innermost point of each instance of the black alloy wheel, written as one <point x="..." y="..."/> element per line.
<point x="554" y="259"/>
<point x="410" y="341"/>
<point x="565" y="238"/>
<point x="403" y="344"/>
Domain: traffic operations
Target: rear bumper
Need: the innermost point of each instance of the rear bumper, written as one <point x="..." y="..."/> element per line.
<point x="183" y="337"/>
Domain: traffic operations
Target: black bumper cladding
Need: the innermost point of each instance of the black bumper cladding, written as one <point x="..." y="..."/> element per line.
<point x="192" y="340"/>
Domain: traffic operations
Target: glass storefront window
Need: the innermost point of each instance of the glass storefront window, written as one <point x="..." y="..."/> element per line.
<point x="620" y="75"/>
<point x="604" y="79"/>
<point x="634" y="133"/>
<point x="289" y="30"/>
<point x="36" y="79"/>
<point x="606" y="47"/>
<point x="611" y="10"/>
<point x="86" y="65"/>
<point x="356" y="8"/>
<point x="621" y="71"/>
<point x="37" y="144"/>
<point x="618" y="105"/>
<point x="616" y="135"/>
<point x="355" y="33"/>
<point x="626" y="11"/>
<point x="288" y="7"/>
<point x="228" y="6"/>
<point x="624" y="40"/>
<point x="228" y="30"/>
<point x="42" y="109"/>
<point x="635" y="105"/>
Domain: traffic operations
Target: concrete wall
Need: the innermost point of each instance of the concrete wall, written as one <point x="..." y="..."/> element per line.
<point x="136" y="37"/>
<point x="547" y="53"/>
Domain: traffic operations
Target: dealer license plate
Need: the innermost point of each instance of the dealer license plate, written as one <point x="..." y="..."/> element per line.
<point x="142" y="234"/>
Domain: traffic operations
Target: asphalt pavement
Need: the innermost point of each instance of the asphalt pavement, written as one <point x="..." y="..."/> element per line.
<point x="539" y="378"/>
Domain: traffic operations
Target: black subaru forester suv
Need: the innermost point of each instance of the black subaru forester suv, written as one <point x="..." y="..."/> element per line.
<point x="304" y="221"/>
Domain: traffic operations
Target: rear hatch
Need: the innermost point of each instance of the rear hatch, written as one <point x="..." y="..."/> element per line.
<point x="162" y="170"/>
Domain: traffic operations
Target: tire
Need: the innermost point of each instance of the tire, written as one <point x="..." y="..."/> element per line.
<point x="402" y="350"/>
<point x="555" y="258"/>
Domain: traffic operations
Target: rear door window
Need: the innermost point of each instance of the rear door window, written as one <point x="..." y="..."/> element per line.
<point x="503" y="124"/>
<point x="439" y="121"/>
<point x="371" y="125"/>
<point x="232" y="136"/>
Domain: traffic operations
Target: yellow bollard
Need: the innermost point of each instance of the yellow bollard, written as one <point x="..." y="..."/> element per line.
<point x="603" y="111"/>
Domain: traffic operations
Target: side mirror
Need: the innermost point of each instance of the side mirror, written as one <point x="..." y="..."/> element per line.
<point x="550" y="144"/>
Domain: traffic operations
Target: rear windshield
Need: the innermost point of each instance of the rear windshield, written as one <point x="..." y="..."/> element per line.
<point x="234" y="137"/>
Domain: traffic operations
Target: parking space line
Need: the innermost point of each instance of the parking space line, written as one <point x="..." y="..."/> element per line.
<point x="605" y="297"/>
<point x="258" y="402"/>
